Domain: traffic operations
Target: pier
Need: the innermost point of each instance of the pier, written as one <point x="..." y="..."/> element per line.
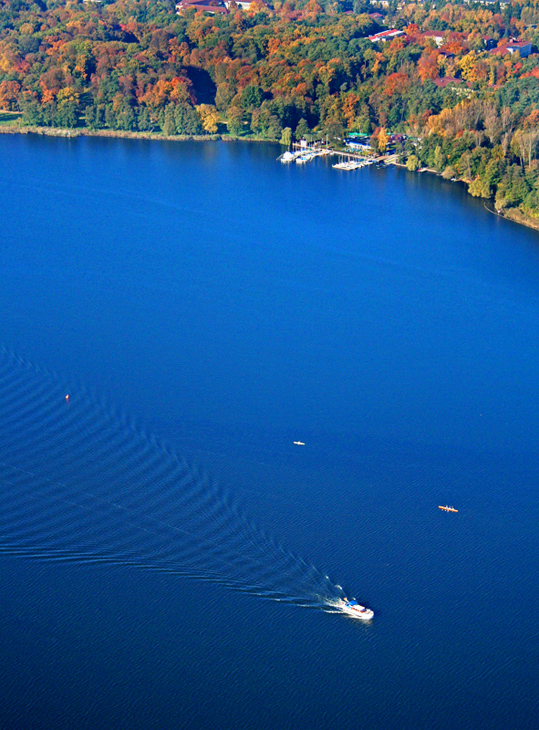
<point x="302" y="153"/>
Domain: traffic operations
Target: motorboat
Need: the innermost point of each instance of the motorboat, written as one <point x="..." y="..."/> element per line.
<point x="287" y="157"/>
<point x="352" y="608"/>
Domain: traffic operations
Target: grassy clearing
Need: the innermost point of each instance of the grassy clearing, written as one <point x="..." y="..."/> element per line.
<point x="9" y="117"/>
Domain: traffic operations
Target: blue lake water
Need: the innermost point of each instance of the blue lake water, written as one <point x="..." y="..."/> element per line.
<point x="205" y="306"/>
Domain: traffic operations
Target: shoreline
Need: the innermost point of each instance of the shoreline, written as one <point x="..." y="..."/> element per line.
<point x="120" y="134"/>
<point x="512" y="214"/>
<point x="112" y="133"/>
<point x="517" y="216"/>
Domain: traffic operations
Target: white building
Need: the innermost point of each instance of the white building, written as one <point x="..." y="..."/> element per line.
<point x="385" y="35"/>
<point x="243" y="4"/>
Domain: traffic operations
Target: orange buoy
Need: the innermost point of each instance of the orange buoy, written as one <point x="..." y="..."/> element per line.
<point x="67" y="396"/>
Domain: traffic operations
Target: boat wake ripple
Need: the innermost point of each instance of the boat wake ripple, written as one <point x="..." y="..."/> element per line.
<point x="79" y="482"/>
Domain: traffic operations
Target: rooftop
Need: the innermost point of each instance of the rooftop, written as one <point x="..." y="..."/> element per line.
<point x="447" y="81"/>
<point x="385" y="35"/>
<point x="207" y="6"/>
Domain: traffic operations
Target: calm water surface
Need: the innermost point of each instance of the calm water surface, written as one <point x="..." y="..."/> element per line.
<point x="232" y="305"/>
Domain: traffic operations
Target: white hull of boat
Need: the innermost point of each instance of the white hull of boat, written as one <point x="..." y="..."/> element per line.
<point x="354" y="610"/>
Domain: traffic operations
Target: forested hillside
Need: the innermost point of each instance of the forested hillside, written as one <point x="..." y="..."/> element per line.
<point x="454" y="81"/>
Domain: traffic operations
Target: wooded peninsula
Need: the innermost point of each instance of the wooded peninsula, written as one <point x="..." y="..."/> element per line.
<point x="454" y="86"/>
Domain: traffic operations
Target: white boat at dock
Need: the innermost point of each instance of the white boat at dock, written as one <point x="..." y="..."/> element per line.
<point x="288" y="157"/>
<point x="352" y="164"/>
<point x="306" y="157"/>
<point x="344" y="166"/>
<point x="304" y="154"/>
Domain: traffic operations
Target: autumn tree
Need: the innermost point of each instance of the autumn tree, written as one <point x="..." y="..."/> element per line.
<point x="382" y="140"/>
<point x="209" y="117"/>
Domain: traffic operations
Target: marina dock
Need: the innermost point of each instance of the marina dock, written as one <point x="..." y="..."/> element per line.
<point x="301" y="154"/>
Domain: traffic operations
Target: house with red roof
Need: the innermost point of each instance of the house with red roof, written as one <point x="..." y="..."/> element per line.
<point x="436" y="35"/>
<point x="523" y="47"/>
<point x="243" y="4"/>
<point x="214" y="7"/>
<point x="447" y="81"/>
<point x="385" y="35"/>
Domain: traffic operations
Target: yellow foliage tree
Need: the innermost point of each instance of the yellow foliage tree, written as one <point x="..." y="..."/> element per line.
<point x="468" y="66"/>
<point x="68" y="93"/>
<point x="80" y="66"/>
<point x="209" y="117"/>
<point x="349" y="109"/>
<point x="438" y="123"/>
<point x="382" y="140"/>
